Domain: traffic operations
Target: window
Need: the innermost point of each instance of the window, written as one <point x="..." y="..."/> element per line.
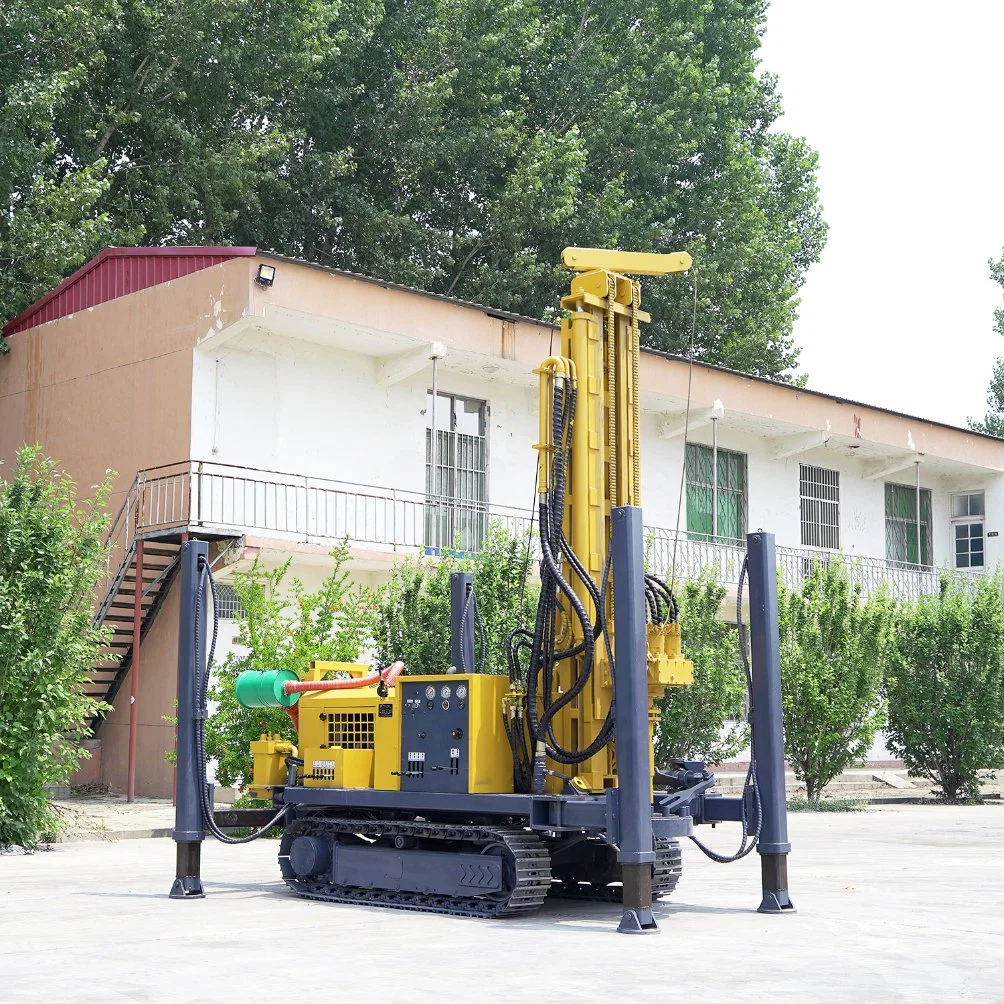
<point x="701" y="483"/>
<point x="967" y="520"/>
<point x="456" y="503"/>
<point x="229" y="606"/>
<point x="901" y="524"/>
<point x="819" y="490"/>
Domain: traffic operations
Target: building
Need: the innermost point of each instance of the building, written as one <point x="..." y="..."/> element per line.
<point x="274" y="406"/>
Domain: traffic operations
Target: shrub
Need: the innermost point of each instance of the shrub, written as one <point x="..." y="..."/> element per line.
<point x="282" y="627"/>
<point x="414" y="607"/>
<point x="52" y="559"/>
<point x="834" y="647"/>
<point x="704" y="721"/>
<point x="946" y="687"/>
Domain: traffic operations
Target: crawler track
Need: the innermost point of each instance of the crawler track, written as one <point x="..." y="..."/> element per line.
<point x="666" y="873"/>
<point x="526" y="865"/>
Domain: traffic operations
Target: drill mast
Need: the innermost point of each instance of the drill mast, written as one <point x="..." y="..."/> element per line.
<point x="589" y="462"/>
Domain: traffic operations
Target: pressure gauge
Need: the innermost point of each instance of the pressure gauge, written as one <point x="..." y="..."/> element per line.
<point x="461" y="691"/>
<point x="430" y="692"/>
<point x="444" y="693"/>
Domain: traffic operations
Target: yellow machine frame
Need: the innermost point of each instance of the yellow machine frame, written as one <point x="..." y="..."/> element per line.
<point x="600" y="353"/>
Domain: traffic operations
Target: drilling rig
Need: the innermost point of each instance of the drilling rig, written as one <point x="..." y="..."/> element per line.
<point x="479" y="795"/>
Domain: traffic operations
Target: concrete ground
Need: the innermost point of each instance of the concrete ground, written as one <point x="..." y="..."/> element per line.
<point x="899" y="903"/>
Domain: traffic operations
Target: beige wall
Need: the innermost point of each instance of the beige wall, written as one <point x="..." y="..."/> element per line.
<point x="111" y="387"/>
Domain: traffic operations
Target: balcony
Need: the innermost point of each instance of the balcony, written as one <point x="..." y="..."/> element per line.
<point x="220" y="500"/>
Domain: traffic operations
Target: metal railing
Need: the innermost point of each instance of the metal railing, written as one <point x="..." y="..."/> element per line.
<point x="693" y="554"/>
<point x="232" y="499"/>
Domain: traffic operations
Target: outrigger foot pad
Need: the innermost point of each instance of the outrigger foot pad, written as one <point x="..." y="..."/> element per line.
<point x="187" y="887"/>
<point x="638" y="921"/>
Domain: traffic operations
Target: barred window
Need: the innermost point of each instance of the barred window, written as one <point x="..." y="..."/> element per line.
<point x="819" y="491"/>
<point x="702" y="480"/>
<point x="901" y="525"/>
<point x="456" y="508"/>
<point x="228" y="602"/>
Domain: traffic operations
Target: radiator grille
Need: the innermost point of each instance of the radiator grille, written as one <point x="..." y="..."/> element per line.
<point x="352" y="730"/>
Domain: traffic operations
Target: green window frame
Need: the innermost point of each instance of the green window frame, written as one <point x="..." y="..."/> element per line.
<point x="701" y="489"/>
<point x="901" y="525"/>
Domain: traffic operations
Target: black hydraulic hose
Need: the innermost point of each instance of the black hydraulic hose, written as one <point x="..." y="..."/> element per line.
<point x="659" y="586"/>
<point x="751" y="773"/>
<point x="587" y="630"/>
<point x="606" y="730"/>
<point x="202" y="688"/>
<point x="473" y="601"/>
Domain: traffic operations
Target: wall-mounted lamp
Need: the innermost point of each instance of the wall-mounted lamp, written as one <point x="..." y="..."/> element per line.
<point x="266" y="275"/>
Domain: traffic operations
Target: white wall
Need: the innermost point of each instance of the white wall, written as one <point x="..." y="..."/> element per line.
<point x="303" y="408"/>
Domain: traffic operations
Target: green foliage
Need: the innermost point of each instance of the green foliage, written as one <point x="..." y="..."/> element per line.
<point x="834" y="649"/>
<point x="447" y="144"/>
<point x="826" y="805"/>
<point x="704" y="721"/>
<point x="945" y="687"/>
<point x="52" y="558"/>
<point x="993" y="422"/>
<point x="282" y="626"/>
<point x="414" y="607"/>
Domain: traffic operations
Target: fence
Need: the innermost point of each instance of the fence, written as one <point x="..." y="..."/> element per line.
<point x="231" y="499"/>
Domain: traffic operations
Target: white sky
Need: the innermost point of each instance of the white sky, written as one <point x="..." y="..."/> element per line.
<point x="902" y="100"/>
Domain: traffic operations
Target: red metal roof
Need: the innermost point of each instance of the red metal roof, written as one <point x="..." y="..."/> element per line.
<point x="117" y="271"/>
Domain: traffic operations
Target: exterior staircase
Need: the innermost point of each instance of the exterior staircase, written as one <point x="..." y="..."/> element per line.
<point x="118" y="610"/>
<point x="146" y="534"/>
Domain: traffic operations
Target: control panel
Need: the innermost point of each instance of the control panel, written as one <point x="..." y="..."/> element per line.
<point x="435" y="734"/>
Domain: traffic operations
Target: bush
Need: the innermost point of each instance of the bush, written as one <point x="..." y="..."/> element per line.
<point x="946" y="687"/>
<point x="282" y="627"/>
<point x="834" y="647"/>
<point x="413" y="620"/>
<point x="694" y="722"/>
<point x="52" y="559"/>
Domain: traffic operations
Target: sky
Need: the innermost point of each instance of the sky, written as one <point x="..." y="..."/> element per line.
<point x="902" y="100"/>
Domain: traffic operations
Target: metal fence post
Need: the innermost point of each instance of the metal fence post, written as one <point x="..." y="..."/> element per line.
<point x="188" y="825"/>
<point x="634" y="774"/>
<point x="768" y="729"/>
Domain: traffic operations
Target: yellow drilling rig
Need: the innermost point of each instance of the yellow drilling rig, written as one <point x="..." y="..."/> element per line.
<point x="479" y="795"/>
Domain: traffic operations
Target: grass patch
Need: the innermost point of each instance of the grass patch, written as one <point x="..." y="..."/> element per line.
<point x="827" y="805"/>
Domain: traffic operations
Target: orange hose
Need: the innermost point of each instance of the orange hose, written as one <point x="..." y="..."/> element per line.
<point x="388" y="676"/>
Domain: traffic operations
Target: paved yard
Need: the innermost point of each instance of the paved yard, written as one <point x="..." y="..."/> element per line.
<point x="902" y="903"/>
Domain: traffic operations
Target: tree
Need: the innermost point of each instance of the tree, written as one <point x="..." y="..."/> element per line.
<point x="445" y="144"/>
<point x="52" y="558"/>
<point x="414" y="607"/>
<point x="482" y="140"/>
<point x="834" y="648"/>
<point x="704" y="721"/>
<point x="50" y="221"/>
<point x="281" y="625"/>
<point x="945" y="686"/>
<point x="993" y="422"/>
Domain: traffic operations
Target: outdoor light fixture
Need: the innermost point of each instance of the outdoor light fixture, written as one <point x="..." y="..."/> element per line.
<point x="266" y="275"/>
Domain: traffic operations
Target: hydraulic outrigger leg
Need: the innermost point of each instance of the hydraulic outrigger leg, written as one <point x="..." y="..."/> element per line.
<point x="634" y="766"/>
<point x="768" y="729"/>
<point x="188" y="826"/>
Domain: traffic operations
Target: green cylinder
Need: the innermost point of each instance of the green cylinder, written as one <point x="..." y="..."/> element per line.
<point x="264" y="690"/>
